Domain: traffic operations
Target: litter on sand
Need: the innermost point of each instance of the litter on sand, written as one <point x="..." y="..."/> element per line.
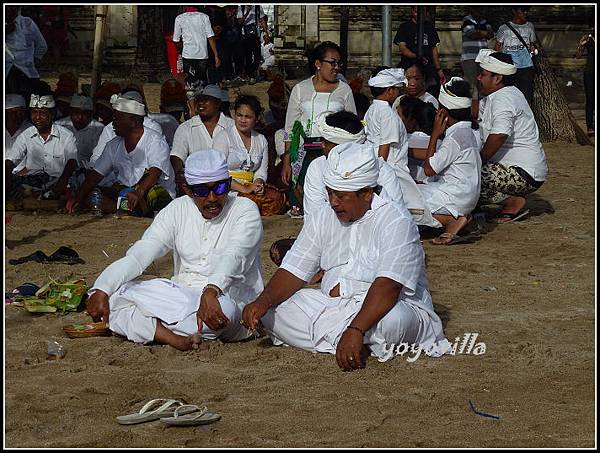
<point x="483" y="414"/>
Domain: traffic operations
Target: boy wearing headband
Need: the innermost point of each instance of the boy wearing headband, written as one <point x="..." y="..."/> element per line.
<point x="215" y="238"/>
<point x="457" y="163"/>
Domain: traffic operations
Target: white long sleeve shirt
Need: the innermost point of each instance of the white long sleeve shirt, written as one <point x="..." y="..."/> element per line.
<point x="383" y="243"/>
<point x="22" y="46"/>
<point x="224" y="251"/>
<point x="51" y="156"/>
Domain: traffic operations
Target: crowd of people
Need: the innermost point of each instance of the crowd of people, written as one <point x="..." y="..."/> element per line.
<point x="426" y="153"/>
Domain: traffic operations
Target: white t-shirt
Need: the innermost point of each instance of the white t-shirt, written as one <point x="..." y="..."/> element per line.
<point x="192" y="136"/>
<point x="23" y="46"/>
<point x="458" y="166"/>
<point x="167" y="123"/>
<point x="240" y="159"/>
<point x="152" y="151"/>
<point x="384" y="126"/>
<point x="250" y="19"/>
<point x="51" y="156"/>
<point x="195" y="29"/>
<point x="425" y="97"/>
<point x="86" y="138"/>
<point x="506" y="111"/>
<point x="513" y="45"/>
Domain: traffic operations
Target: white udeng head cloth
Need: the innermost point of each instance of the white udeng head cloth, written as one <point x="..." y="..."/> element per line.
<point x="82" y="102"/>
<point x="392" y="77"/>
<point x="14" y="101"/>
<point x="204" y="166"/>
<point x="128" y="103"/>
<point x="492" y="64"/>
<point x="452" y="101"/>
<point x="42" y="102"/>
<point x="337" y="135"/>
<point x="351" y="167"/>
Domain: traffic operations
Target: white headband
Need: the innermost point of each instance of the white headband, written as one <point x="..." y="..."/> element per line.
<point x="351" y="167"/>
<point x="392" y="77"/>
<point x="337" y="135"/>
<point x="492" y="64"/>
<point x="206" y="166"/>
<point x="82" y="102"/>
<point x="42" y="102"/>
<point x="13" y="101"/>
<point x="125" y="105"/>
<point x="452" y="101"/>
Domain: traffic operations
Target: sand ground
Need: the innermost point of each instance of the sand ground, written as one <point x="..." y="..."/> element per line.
<point x="526" y="288"/>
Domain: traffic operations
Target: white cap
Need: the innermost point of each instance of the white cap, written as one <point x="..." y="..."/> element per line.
<point x="82" y="102"/>
<point x="14" y="101"/>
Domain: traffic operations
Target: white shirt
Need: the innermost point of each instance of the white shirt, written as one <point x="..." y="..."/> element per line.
<point x="315" y="195"/>
<point x="192" y="136"/>
<point x="9" y="140"/>
<point x="383" y="126"/>
<point x="86" y="138"/>
<point x="383" y="243"/>
<point x="108" y="133"/>
<point x="506" y="111"/>
<point x="152" y="151"/>
<point x="195" y="29"/>
<point x="50" y="156"/>
<point x="250" y="19"/>
<point x="240" y="159"/>
<point x="306" y="104"/>
<point x="22" y="46"/>
<point x="168" y="125"/>
<point x="458" y="166"/>
<point x="425" y="97"/>
<point x="224" y="251"/>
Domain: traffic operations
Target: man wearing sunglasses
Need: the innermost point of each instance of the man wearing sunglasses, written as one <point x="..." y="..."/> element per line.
<point x="215" y="238"/>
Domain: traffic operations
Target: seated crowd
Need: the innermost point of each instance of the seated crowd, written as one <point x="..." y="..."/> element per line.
<point x="365" y="188"/>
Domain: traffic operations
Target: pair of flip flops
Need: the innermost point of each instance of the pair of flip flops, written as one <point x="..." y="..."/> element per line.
<point x="171" y="412"/>
<point x="63" y="255"/>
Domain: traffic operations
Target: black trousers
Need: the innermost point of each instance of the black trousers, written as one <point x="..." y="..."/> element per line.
<point x="524" y="82"/>
<point x="590" y="98"/>
<point x="195" y="70"/>
<point x="252" y="56"/>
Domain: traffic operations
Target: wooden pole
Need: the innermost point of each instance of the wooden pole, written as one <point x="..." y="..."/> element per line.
<point x="101" y="13"/>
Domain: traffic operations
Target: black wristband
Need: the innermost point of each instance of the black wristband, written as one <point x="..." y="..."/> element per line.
<point x="356" y="328"/>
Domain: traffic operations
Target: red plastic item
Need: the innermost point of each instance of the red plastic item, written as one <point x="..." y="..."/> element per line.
<point x="172" y="54"/>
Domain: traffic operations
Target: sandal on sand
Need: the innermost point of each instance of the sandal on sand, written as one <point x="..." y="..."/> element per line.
<point x="195" y="416"/>
<point x="451" y="239"/>
<point x="279" y="249"/>
<point x="168" y="408"/>
<point x="295" y="213"/>
<point x="506" y="217"/>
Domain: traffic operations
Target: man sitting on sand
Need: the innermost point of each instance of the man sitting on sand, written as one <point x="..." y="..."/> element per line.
<point x="44" y="155"/>
<point x="514" y="163"/>
<point x="374" y="289"/>
<point x="215" y="238"/>
<point x="138" y="157"/>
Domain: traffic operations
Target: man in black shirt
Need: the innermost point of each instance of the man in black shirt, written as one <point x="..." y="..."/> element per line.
<point x="406" y="39"/>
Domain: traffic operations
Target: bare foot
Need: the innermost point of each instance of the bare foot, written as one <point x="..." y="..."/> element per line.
<point x="197" y="343"/>
<point x="513" y="205"/>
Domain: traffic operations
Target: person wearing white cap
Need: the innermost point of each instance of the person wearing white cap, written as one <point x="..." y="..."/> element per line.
<point x="383" y="126"/>
<point x="215" y="238"/>
<point x="46" y="153"/>
<point x="85" y="129"/>
<point x="139" y="159"/>
<point x="207" y="129"/>
<point x="456" y="163"/>
<point x="514" y="162"/>
<point x="15" y="119"/>
<point x="374" y="289"/>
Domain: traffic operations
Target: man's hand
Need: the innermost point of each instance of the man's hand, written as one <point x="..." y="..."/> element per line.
<point x="258" y="187"/>
<point x="350" y="351"/>
<point x="98" y="307"/>
<point x="133" y="199"/>
<point x="210" y="311"/>
<point x="286" y="170"/>
<point x="440" y="123"/>
<point x="252" y="314"/>
<point x="217" y="61"/>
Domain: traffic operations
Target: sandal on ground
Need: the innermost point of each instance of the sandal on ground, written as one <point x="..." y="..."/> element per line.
<point x="451" y="239"/>
<point x="506" y="217"/>
<point x="194" y="416"/>
<point x="148" y="414"/>
<point x="279" y="249"/>
<point x="295" y="213"/>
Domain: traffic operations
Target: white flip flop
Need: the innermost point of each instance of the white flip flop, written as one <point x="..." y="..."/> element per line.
<point x="195" y="416"/>
<point x="169" y="407"/>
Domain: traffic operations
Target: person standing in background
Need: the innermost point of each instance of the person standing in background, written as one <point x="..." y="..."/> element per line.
<point x="250" y="18"/>
<point x="587" y="48"/>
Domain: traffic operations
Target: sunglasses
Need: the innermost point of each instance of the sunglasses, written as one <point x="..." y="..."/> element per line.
<point x="334" y="63"/>
<point x="203" y="190"/>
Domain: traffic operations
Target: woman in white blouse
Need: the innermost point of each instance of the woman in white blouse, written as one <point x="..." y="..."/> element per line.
<point x="310" y="98"/>
<point x="248" y="155"/>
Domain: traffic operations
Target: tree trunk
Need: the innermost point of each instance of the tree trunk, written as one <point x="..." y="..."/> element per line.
<point x="554" y="118"/>
<point x="151" y="60"/>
